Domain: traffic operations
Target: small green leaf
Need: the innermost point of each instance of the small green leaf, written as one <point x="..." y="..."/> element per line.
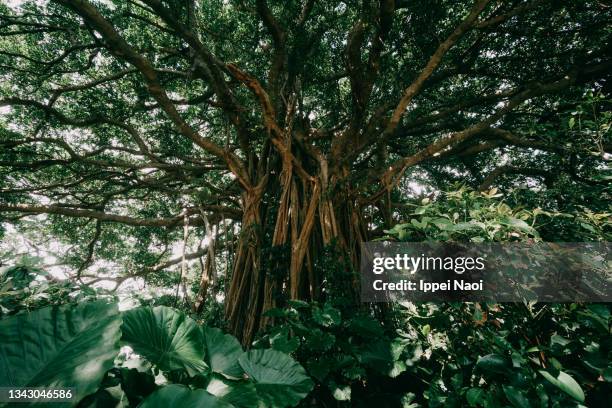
<point x="493" y="363"/>
<point x="442" y="223"/>
<point x="517" y="224"/>
<point x="298" y="304"/>
<point x="327" y="316"/>
<point x="607" y="374"/>
<point x="279" y="340"/>
<point x="565" y="383"/>
<point x="420" y="210"/>
<point x="516" y="397"/>
<point x="517" y="360"/>
<point x="365" y="326"/>
<point x="474" y="396"/>
<point x="588" y="227"/>
<point x="378" y="355"/>
<point x="556" y="339"/>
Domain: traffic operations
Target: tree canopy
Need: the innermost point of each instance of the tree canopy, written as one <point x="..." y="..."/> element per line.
<point x="268" y="130"/>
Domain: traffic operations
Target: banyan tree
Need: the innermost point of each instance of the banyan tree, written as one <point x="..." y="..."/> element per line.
<point x="275" y="130"/>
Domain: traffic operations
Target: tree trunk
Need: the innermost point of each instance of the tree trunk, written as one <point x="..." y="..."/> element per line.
<point x="310" y="214"/>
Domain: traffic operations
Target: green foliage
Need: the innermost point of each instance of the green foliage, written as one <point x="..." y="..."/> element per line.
<point x="342" y="350"/>
<point x="206" y="358"/>
<point x="279" y="380"/>
<point x="180" y="396"/>
<point x="566" y="383"/>
<point x="467" y="215"/>
<point x="112" y="162"/>
<point x="461" y="354"/>
<point x="458" y="354"/>
<point x="65" y="347"/>
<point x="170" y="340"/>
<point x="499" y="354"/>
<point x="26" y="286"/>
<point x="75" y="346"/>
<point x="491" y="355"/>
<point x="223" y="352"/>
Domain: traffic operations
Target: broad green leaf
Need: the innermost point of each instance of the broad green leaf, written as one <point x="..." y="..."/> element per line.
<point x="556" y="339"/>
<point x="280" y="381"/>
<point x="607" y="374"/>
<point x="377" y="355"/>
<point x="320" y="368"/>
<point x="60" y="347"/>
<point x="565" y="383"/>
<point x="280" y="341"/>
<point x="137" y="385"/>
<point x="166" y="337"/>
<point x="366" y="326"/>
<point x="442" y="223"/>
<point x="398" y="368"/>
<point x="240" y="394"/>
<point x="517" y="360"/>
<point x="588" y="227"/>
<point x="222" y="352"/>
<point x="105" y="397"/>
<point x="516" y="397"/>
<point x="474" y="396"/>
<point x="420" y="210"/>
<point x="298" y="304"/>
<point x="418" y="224"/>
<point x="182" y="397"/>
<point x="493" y="363"/>
<point x="319" y="341"/>
<point x="326" y="316"/>
<point x="517" y="224"/>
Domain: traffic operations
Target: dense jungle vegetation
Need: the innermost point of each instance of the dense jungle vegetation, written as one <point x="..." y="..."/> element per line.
<point x="185" y="186"/>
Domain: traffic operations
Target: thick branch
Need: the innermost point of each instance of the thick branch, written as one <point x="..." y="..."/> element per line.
<point x="121" y="219"/>
<point x="122" y="49"/>
<point x="432" y="64"/>
<point x="525" y="171"/>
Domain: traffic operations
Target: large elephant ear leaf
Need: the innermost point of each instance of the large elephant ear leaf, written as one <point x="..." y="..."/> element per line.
<point x="60" y="347"/>
<point x="167" y="338"/>
<point x="223" y="352"/>
<point x="240" y="394"/>
<point x="180" y="396"/>
<point x="280" y="381"/>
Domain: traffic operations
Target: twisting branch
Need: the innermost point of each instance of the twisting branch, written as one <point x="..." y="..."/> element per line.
<point x="392" y="176"/>
<point x="280" y="49"/>
<point x="90" y="249"/>
<point x="212" y="69"/>
<point x="525" y="171"/>
<point x="102" y="216"/>
<point x="432" y="64"/>
<point x="123" y="50"/>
